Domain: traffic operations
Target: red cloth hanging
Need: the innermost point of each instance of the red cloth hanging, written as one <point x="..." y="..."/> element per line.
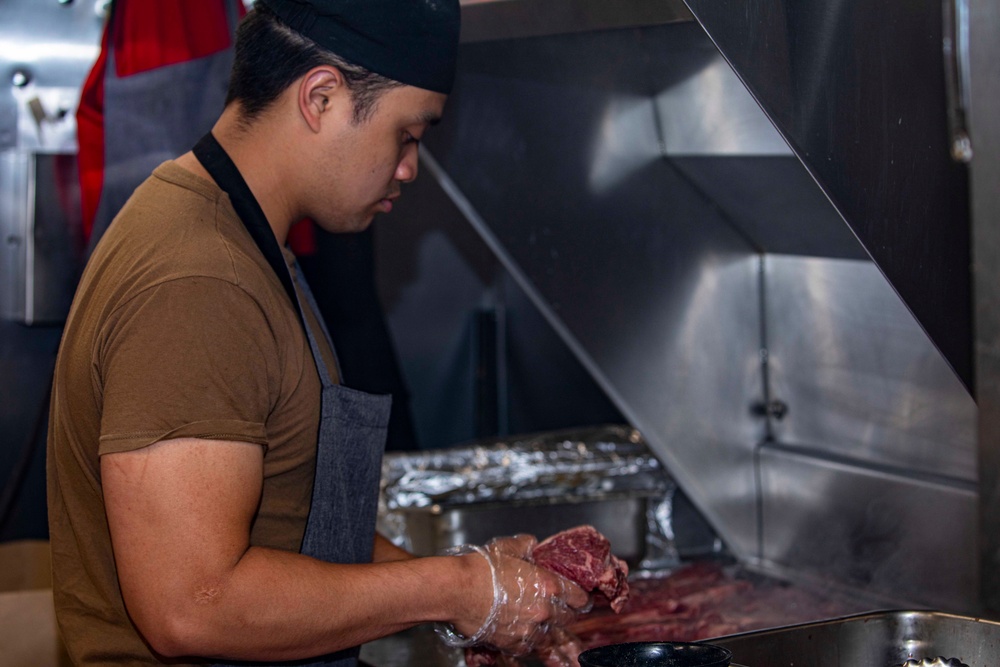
<point x="145" y="35"/>
<point x="90" y="138"/>
<point x="157" y="33"/>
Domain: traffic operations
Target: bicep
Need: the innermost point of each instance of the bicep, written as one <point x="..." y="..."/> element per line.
<point x="180" y="513"/>
<point x="188" y="358"/>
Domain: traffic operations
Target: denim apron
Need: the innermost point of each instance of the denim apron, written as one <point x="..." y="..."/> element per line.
<point x="341" y="523"/>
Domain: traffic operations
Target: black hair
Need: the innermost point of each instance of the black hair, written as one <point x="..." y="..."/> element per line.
<point x="269" y="56"/>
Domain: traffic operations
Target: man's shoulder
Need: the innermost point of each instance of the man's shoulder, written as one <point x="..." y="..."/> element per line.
<point x="177" y="227"/>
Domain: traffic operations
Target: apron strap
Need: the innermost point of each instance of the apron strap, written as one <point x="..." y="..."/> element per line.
<point x="222" y="168"/>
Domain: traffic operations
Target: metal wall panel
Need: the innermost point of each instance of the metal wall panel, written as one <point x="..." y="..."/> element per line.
<point x="858" y="91"/>
<point x="434" y="275"/>
<point x="908" y="540"/>
<point x="985" y="128"/>
<point x="858" y="374"/>
<point x="46" y="50"/>
<point x="40" y="255"/>
<point x="16" y="214"/>
<point x="644" y="252"/>
<point x="554" y="151"/>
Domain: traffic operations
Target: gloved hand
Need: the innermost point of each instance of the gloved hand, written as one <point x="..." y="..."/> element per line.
<point x="561" y="649"/>
<point x="528" y="601"/>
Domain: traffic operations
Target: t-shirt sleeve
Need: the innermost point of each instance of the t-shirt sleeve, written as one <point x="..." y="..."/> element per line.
<point x="194" y="357"/>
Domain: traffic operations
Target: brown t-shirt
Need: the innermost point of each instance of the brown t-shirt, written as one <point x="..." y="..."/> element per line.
<point x="179" y="328"/>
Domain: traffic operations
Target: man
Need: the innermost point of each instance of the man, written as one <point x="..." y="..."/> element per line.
<point x="211" y="485"/>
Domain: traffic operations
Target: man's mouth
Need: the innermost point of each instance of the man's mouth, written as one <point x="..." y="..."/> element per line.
<point x="386" y="203"/>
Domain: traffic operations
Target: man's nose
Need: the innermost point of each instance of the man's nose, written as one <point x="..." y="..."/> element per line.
<point x="406" y="170"/>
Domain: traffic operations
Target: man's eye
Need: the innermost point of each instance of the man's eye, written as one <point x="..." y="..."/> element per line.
<point x="409" y="138"/>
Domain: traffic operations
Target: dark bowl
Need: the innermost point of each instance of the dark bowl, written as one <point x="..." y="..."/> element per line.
<point x="656" y="654"/>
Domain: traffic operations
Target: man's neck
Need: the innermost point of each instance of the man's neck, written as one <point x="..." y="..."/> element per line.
<point x="259" y="166"/>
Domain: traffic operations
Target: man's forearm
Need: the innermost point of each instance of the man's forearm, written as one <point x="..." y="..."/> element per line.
<point x="179" y="514"/>
<point x="277" y="605"/>
<point x="386" y="551"/>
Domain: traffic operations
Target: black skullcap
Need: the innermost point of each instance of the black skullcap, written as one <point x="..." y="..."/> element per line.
<point x="411" y="41"/>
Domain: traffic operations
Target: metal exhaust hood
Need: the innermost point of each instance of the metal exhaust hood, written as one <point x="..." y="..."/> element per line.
<point x="868" y="126"/>
<point x="749" y="229"/>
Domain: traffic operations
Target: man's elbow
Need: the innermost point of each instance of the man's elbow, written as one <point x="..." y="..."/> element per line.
<point x="178" y="630"/>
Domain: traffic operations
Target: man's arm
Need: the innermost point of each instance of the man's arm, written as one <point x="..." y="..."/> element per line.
<point x="386" y="551"/>
<point x="180" y="513"/>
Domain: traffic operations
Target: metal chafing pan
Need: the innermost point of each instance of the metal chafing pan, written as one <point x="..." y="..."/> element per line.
<point x="880" y="639"/>
<point x="538" y="483"/>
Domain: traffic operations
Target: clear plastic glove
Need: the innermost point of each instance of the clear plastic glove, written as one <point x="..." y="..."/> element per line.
<point x="528" y="601"/>
<point x="562" y="649"/>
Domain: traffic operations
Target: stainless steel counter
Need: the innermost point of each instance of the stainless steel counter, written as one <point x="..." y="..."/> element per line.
<point x="881" y="639"/>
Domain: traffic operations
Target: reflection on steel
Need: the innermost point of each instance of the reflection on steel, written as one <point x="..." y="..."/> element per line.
<point x="627" y="142"/>
<point x="711" y="113"/>
<point x="858" y="91"/>
<point x="40" y="231"/>
<point x="46" y="50"/>
<point x="891" y="532"/>
<point x="885" y="397"/>
<point x="652" y="288"/>
<point x="956" y="72"/>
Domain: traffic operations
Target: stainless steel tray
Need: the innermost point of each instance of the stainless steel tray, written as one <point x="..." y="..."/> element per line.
<point x="537" y="483"/>
<point x="621" y="519"/>
<point x="880" y="639"/>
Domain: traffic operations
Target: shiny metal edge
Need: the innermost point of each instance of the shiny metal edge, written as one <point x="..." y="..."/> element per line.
<point x="884" y="637"/>
<point x="985" y="177"/>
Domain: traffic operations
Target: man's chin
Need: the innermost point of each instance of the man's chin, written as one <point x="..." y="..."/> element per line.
<point x="348" y="226"/>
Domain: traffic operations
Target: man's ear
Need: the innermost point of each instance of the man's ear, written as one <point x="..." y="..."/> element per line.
<point x="321" y="88"/>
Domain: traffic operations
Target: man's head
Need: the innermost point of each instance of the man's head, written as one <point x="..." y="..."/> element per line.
<point x="350" y="86"/>
<point x="376" y="44"/>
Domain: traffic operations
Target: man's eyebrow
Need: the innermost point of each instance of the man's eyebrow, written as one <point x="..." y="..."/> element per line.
<point x="429" y="118"/>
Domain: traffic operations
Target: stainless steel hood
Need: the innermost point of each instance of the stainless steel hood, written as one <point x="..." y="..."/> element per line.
<point x="856" y="92"/>
<point x="750" y="231"/>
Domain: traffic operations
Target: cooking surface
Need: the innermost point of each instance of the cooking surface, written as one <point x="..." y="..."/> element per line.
<point x="879" y="639"/>
<point x="707" y="599"/>
<point x="698" y="601"/>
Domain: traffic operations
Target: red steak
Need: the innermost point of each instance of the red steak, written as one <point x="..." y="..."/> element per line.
<point x="584" y="556"/>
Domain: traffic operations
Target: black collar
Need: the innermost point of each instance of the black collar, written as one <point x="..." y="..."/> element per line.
<point x="222" y="169"/>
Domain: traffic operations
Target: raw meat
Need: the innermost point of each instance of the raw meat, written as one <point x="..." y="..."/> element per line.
<point x="701" y="601"/>
<point x="584" y="556"/>
<point x="698" y="601"/>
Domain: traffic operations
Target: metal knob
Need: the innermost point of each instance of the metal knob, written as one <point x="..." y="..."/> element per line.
<point x="776" y="409"/>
